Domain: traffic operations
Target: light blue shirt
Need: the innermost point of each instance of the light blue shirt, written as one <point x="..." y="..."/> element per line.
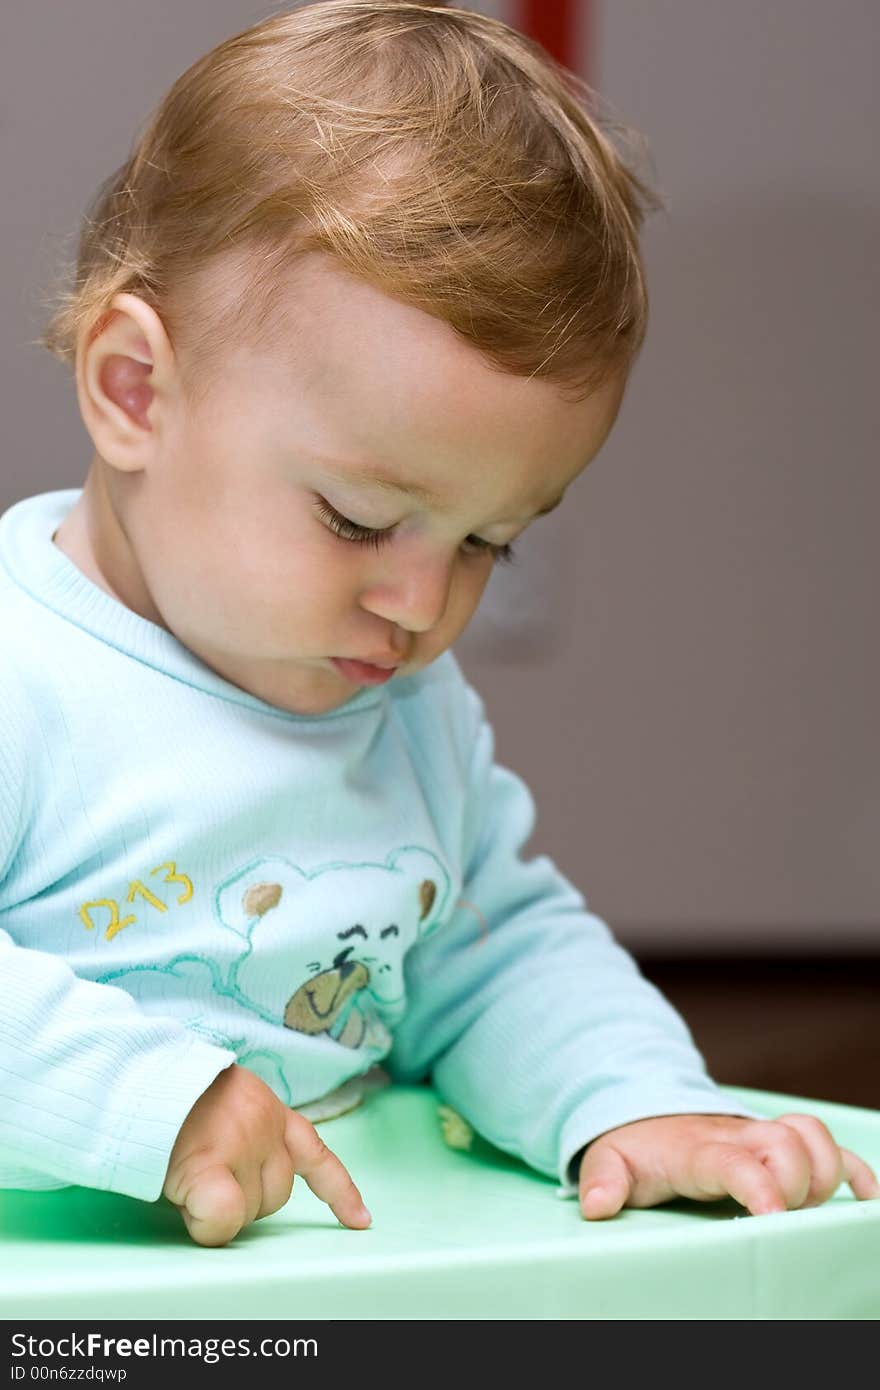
<point x="191" y="877"/>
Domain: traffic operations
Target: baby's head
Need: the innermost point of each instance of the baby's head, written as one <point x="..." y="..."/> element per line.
<point x="360" y="306"/>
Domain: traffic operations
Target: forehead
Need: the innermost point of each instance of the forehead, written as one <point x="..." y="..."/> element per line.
<point x="401" y="391"/>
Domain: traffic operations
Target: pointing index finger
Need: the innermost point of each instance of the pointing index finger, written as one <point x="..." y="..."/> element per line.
<point x="325" y="1174"/>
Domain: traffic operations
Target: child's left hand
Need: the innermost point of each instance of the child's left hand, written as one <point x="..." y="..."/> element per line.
<point x="766" y="1165"/>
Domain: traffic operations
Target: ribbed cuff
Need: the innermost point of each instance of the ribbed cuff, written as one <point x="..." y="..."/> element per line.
<point x="164" y="1088"/>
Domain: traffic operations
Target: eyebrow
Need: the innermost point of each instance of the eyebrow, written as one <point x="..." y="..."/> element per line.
<point x="422" y="494"/>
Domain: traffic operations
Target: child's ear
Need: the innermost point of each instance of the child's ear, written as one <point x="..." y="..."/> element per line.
<point x="125" y="378"/>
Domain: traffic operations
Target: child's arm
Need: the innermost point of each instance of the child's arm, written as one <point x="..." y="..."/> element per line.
<point x="95" y="1092"/>
<point x="534" y="1024"/>
<point x="92" y="1090"/>
<point x="98" y="1094"/>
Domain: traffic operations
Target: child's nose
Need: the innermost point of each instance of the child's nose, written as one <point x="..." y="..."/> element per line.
<point x="413" y="596"/>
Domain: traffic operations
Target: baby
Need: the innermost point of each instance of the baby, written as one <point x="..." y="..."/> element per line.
<point x="359" y="308"/>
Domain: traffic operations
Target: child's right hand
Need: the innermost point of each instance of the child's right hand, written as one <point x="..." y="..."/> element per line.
<point x="235" y="1158"/>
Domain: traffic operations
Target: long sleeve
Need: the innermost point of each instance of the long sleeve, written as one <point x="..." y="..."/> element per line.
<point x="92" y="1091"/>
<point x="532" y="1022"/>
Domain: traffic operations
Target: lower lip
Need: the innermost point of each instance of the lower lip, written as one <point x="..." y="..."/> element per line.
<point x="360" y="673"/>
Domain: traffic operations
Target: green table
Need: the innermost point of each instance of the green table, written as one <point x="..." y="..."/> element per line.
<point x="455" y="1234"/>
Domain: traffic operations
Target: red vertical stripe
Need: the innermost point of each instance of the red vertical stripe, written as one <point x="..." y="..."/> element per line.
<point x="554" y="24"/>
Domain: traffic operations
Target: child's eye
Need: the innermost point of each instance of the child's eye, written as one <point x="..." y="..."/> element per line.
<point x="365" y="535"/>
<point x="498" y="552"/>
<point x="349" y="530"/>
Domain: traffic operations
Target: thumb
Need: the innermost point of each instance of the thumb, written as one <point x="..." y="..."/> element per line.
<point x="605" y="1182"/>
<point x="213" y="1207"/>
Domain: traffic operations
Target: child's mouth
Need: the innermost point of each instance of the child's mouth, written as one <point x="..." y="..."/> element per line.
<point x="361" y="672"/>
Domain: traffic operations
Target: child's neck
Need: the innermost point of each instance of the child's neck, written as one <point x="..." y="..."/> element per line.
<point x="91" y="537"/>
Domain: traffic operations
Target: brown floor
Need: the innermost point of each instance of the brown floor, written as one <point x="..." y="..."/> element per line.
<point x="804" y="1027"/>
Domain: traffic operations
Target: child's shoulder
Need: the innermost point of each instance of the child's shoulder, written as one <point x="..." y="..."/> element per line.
<point x="33" y="573"/>
<point x="21" y="654"/>
<point x="20" y="716"/>
<point x="19" y="672"/>
<point x="15" y="644"/>
<point x="27" y="650"/>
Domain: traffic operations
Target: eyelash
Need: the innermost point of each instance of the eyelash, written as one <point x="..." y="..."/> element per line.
<point x="365" y="535"/>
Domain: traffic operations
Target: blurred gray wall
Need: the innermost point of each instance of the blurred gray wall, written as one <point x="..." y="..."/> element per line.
<point x="698" y="722"/>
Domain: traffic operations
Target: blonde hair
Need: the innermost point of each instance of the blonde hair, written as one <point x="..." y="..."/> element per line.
<point x="435" y="153"/>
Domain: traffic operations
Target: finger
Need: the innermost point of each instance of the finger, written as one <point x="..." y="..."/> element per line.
<point x="831" y="1165"/>
<point x="722" y="1170"/>
<point x="784" y="1152"/>
<point x="861" y="1178"/>
<point x="604" y="1182"/>
<point x="247" y="1175"/>
<point x="213" y="1205"/>
<point x="826" y="1160"/>
<point x="325" y="1174"/>
<point x="276" y="1182"/>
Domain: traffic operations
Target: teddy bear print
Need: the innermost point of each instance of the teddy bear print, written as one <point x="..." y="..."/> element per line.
<point x="349" y="985"/>
<point x="317" y="952"/>
<point x="319" y="1003"/>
